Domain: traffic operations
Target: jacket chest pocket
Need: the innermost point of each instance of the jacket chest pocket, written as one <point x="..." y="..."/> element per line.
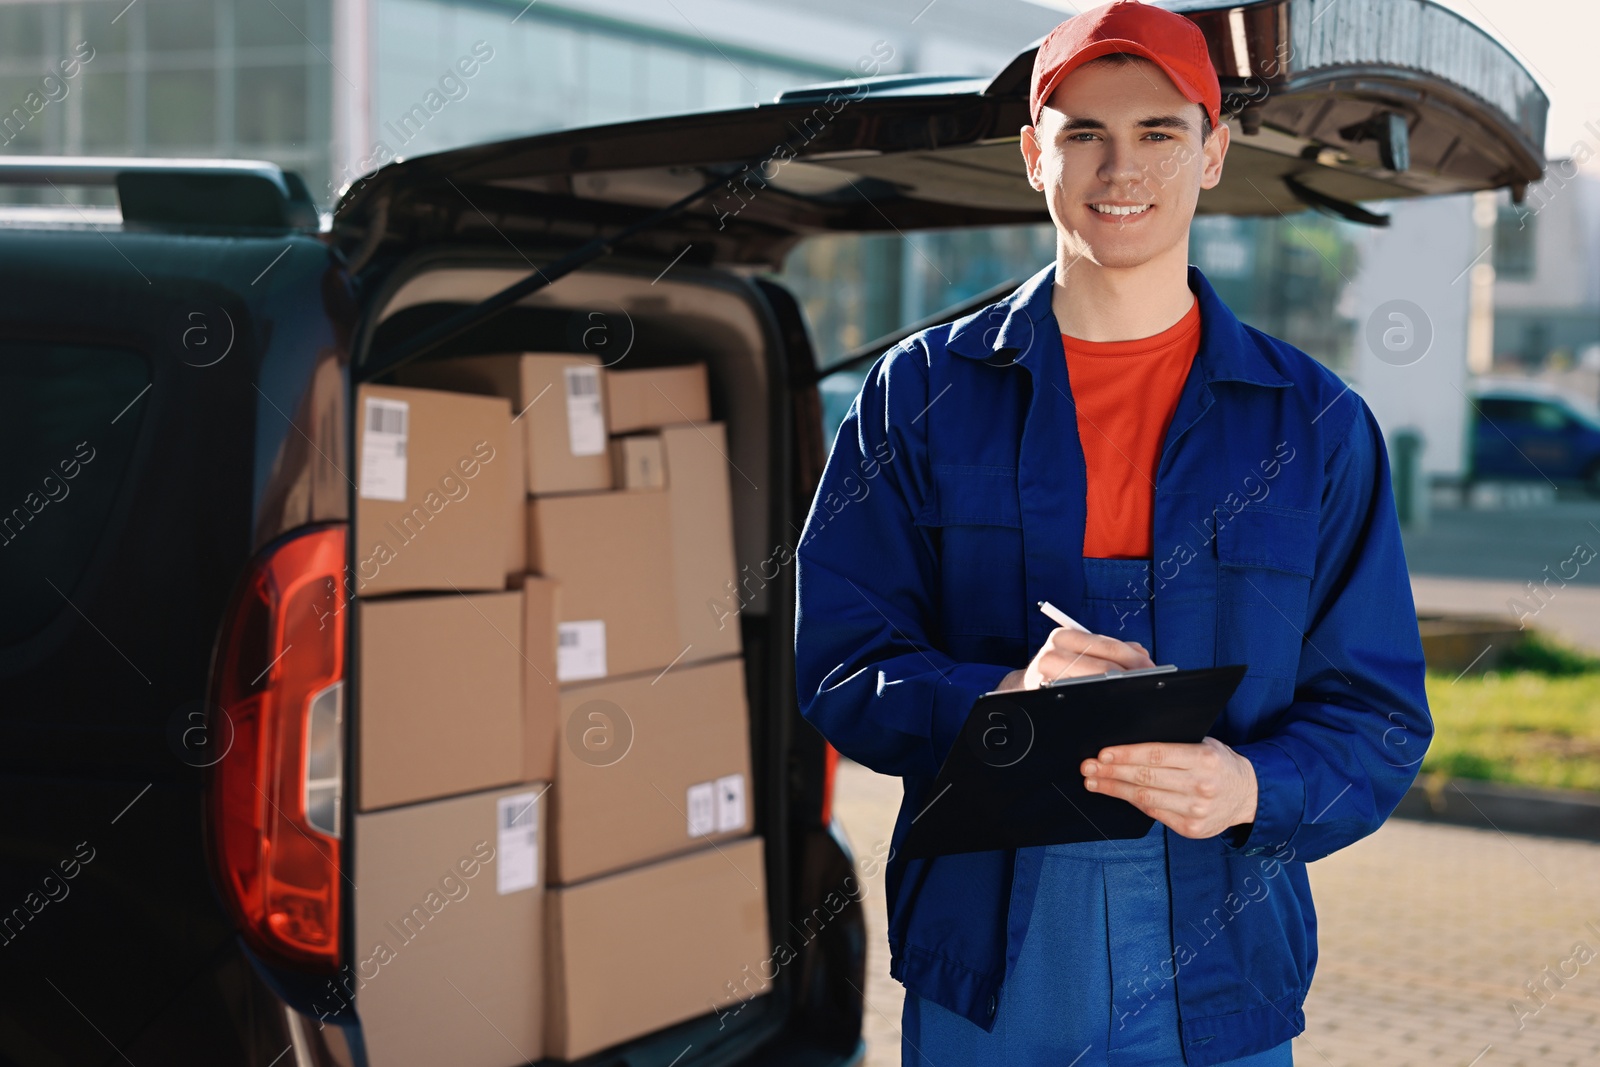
<point x="973" y="522"/>
<point x="1266" y="558"/>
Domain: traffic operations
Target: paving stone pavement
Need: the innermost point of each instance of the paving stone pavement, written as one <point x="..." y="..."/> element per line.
<point x="1428" y="936"/>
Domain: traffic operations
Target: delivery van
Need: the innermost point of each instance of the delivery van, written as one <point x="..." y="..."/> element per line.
<point x="397" y="645"/>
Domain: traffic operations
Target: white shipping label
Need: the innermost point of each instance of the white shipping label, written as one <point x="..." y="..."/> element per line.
<point x="383" y="449"/>
<point x="581" y="650"/>
<point x="702" y="801"/>
<point x="730" y="803"/>
<point x="586" y="422"/>
<point x="517" y="817"/>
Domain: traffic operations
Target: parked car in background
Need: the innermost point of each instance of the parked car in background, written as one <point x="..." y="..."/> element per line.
<point x="179" y="377"/>
<point x="1530" y="431"/>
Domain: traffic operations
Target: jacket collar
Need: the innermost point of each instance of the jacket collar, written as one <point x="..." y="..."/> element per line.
<point x="1022" y="325"/>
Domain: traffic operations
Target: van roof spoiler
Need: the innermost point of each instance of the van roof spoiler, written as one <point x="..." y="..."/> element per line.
<point x="180" y="194"/>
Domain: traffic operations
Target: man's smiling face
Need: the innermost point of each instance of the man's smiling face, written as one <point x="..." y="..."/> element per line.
<point x="1119" y="156"/>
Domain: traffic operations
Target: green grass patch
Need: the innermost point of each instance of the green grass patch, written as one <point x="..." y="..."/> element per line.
<point x="1535" y="720"/>
<point x="1541" y="655"/>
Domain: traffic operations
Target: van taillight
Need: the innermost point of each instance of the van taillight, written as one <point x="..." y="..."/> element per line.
<point x="276" y="790"/>
<point x="830" y="767"/>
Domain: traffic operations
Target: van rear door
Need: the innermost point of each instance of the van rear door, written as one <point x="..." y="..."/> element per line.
<point x="1331" y="107"/>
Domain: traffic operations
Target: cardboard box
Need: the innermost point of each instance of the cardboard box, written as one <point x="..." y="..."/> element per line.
<point x="431" y="507"/>
<point x="613" y="559"/>
<point x="636" y="462"/>
<point x="449" y="931"/>
<point x="648" y="767"/>
<point x="702" y="539"/>
<point x="441" y="696"/>
<point x="656" y="396"/>
<point x="558" y="403"/>
<point x="541" y="697"/>
<point x="644" y="949"/>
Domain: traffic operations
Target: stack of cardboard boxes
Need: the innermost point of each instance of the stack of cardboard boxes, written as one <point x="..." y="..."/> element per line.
<point x="553" y="838"/>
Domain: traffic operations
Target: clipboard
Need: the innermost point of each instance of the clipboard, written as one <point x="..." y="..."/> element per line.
<point x="1011" y="779"/>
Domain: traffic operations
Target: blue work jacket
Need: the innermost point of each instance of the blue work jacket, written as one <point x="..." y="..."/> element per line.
<point x="953" y="501"/>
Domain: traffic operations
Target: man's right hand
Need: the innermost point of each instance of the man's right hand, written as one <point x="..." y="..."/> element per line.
<point x="1069" y="653"/>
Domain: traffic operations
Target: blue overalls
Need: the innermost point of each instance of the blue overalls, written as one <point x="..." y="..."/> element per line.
<point x="1093" y="984"/>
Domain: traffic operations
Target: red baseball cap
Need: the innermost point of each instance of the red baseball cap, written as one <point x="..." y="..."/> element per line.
<point x="1165" y="38"/>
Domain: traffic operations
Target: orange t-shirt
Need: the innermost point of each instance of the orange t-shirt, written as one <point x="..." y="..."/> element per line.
<point x="1126" y="392"/>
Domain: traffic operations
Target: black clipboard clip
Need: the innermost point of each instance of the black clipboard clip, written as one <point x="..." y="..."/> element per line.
<point x="1109" y="676"/>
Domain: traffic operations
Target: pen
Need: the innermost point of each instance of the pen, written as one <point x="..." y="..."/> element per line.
<point x="1060" y="617"/>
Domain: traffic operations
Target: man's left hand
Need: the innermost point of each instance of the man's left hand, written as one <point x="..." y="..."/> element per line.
<point x="1197" y="790"/>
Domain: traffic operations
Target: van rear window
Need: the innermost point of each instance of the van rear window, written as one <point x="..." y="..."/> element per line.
<point x="69" y="415"/>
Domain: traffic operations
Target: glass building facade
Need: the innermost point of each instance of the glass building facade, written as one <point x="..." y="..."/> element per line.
<point x="554" y="68"/>
<point x="259" y="78"/>
<point x="265" y="79"/>
<point x="168" y="78"/>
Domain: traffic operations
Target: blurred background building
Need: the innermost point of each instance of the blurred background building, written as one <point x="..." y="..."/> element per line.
<point x="335" y="88"/>
<point x="1547" y="279"/>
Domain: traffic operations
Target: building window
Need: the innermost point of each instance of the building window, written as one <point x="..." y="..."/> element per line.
<point x="1513" y="243"/>
<point x="206" y="78"/>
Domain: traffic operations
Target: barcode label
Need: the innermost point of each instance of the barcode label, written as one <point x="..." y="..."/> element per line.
<point x="387" y="416"/>
<point x="514" y="816"/>
<point x="518" y="831"/>
<point x="730" y="803"/>
<point x="586" y="421"/>
<point x="383" y="449"/>
<point x="701" y="801"/>
<point x="581" y="650"/>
